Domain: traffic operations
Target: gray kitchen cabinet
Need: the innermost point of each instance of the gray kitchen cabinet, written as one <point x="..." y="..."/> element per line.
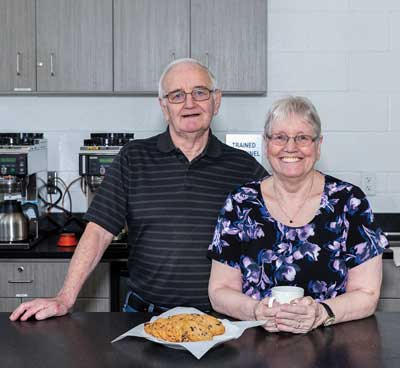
<point x="148" y="34"/>
<point x="390" y="290"/>
<point x="74" y="45"/>
<point x="17" y="45"/>
<point x="389" y="305"/>
<point x="22" y="280"/>
<point x="230" y="36"/>
<point x="9" y="304"/>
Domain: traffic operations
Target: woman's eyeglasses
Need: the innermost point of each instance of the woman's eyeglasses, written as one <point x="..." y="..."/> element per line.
<point x="301" y="140"/>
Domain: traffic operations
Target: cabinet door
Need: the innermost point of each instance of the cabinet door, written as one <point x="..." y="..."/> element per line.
<point x="92" y="305"/>
<point x="9" y="304"/>
<point x="17" y="45"/>
<point x="390" y="280"/>
<point x="148" y="34"/>
<point x="230" y="36"/>
<point x="389" y="305"/>
<point x="33" y="279"/>
<point x="74" y="45"/>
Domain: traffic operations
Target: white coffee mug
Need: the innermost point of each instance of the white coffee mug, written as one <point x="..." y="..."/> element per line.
<point x="285" y="294"/>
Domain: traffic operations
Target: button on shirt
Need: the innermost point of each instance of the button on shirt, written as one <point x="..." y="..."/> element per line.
<point x="171" y="206"/>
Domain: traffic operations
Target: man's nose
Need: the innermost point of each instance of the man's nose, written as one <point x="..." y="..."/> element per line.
<point x="189" y="101"/>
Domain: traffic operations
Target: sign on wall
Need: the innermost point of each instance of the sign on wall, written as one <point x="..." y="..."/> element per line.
<point x="251" y="143"/>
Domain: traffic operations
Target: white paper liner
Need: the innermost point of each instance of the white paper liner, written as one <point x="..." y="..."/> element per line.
<point x="233" y="330"/>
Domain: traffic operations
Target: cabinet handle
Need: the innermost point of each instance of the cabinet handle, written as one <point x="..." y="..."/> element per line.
<point x="19" y="56"/>
<point x="173" y="56"/>
<point x="20" y="282"/>
<point x="52" y="64"/>
<point x="207" y="60"/>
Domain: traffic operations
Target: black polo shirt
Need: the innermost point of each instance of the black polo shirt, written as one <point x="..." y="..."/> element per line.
<point x="171" y="207"/>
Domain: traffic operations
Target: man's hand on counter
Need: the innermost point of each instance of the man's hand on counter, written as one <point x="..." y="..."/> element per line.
<point x="41" y="309"/>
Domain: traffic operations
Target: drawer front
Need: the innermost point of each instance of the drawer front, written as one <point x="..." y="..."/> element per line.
<point x="389" y="305"/>
<point x="92" y="305"/>
<point x="44" y="279"/>
<point x="391" y="280"/>
<point x="9" y="304"/>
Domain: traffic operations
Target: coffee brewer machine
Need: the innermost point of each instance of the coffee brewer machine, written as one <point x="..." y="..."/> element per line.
<point x="95" y="157"/>
<point x="23" y="176"/>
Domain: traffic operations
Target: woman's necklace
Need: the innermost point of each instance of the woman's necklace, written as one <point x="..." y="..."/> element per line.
<point x="292" y="218"/>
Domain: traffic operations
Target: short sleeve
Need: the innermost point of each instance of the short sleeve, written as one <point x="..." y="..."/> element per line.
<point x="365" y="239"/>
<point x="225" y="246"/>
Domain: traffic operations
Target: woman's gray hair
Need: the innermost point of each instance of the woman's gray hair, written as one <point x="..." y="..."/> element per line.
<point x="171" y="65"/>
<point x="293" y="105"/>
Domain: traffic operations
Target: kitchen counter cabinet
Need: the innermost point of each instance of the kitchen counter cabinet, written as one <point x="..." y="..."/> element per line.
<point x="74" y="45"/>
<point x="148" y="34"/>
<point x="122" y="46"/>
<point x="230" y="36"/>
<point x="17" y="45"/>
<point x="67" y="44"/>
<point x="25" y="279"/>
<point x="82" y="340"/>
<point x="9" y="304"/>
<point x="390" y="290"/>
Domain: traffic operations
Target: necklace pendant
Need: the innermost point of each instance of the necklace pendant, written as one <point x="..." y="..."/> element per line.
<point x="291" y="221"/>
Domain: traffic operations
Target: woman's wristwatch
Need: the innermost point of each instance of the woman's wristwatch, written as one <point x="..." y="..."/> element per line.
<point x="331" y="316"/>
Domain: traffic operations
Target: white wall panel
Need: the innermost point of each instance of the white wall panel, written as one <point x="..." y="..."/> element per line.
<point x="361" y="152"/>
<point x="394" y="183"/>
<point x="331" y="32"/>
<point x="395" y="112"/>
<point x="374" y="5"/>
<point x="307" y="5"/>
<point x="307" y="72"/>
<point x="359" y="112"/>
<point x="395" y="31"/>
<point x="374" y="72"/>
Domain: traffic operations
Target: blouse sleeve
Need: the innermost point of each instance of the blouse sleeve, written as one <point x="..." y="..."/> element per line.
<point x="365" y="239"/>
<point x="225" y="246"/>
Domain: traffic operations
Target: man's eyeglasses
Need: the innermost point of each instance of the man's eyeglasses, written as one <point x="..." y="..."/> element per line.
<point x="198" y="94"/>
<point x="301" y="140"/>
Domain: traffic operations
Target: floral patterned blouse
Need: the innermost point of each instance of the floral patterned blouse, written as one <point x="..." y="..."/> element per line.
<point x="316" y="256"/>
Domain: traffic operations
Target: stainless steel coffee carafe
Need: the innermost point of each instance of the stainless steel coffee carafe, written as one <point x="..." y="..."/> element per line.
<point x="14" y="225"/>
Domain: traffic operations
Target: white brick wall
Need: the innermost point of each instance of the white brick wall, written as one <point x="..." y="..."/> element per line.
<point x="343" y="54"/>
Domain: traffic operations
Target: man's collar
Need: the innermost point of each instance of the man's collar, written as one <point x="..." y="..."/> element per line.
<point x="164" y="142"/>
<point x="213" y="148"/>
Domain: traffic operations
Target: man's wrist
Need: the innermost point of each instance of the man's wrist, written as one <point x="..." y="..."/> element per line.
<point x="66" y="300"/>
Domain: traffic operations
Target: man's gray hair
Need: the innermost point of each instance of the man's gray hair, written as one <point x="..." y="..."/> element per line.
<point x="171" y="65"/>
<point x="293" y="105"/>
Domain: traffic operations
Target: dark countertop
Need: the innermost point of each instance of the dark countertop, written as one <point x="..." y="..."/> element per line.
<point x="48" y="248"/>
<point x="83" y="340"/>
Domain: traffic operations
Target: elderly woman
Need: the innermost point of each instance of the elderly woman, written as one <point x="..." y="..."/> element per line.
<point x="296" y="227"/>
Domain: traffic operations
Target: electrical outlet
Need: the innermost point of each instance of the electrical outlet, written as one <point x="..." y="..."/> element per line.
<point x="369" y="183"/>
<point x="51" y="182"/>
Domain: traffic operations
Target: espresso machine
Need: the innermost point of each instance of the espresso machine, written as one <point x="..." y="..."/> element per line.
<point x="23" y="175"/>
<point x="95" y="157"/>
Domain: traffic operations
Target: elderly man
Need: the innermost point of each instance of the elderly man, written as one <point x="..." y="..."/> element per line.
<point x="168" y="189"/>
